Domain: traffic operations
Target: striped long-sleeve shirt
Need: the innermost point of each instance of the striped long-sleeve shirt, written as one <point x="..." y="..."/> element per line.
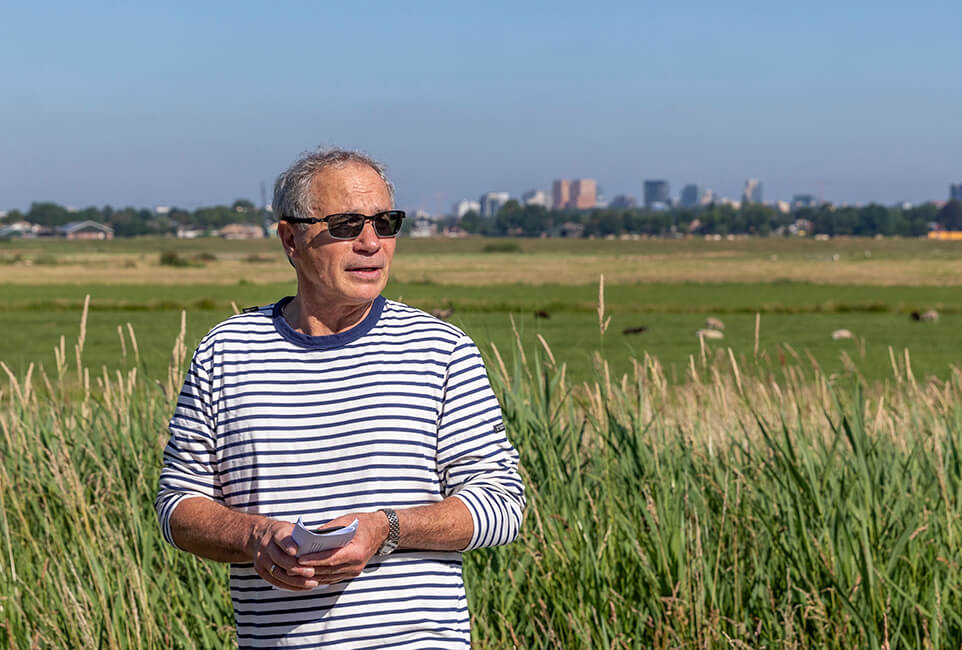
<point x="395" y="412"/>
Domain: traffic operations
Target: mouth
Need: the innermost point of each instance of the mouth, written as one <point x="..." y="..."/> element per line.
<point x="364" y="272"/>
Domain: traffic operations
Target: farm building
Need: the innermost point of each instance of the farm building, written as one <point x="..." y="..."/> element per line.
<point x="24" y="229"/>
<point x="85" y="230"/>
<point x="242" y="231"/>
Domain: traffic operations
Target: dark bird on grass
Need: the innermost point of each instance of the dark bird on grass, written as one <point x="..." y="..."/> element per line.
<point x="542" y="314"/>
<point x="634" y="330"/>
<point x="443" y="314"/>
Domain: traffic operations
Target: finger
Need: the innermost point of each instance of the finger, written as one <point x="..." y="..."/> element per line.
<point x="286" y="564"/>
<point x="279" y="577"/>
<point x="286" y="545"/>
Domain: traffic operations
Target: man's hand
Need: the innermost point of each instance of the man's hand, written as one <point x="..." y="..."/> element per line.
<point x="273" y="551"/>
<point x="349" y="560"/>
<point x="215" y="532"/>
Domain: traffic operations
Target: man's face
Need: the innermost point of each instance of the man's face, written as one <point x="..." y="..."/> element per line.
<point x="343" y="274"/>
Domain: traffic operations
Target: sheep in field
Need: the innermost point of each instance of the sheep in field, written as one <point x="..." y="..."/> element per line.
<point x="713" y="323"/>
<point x="709" y="334"/>
<point x="927" y="316"/>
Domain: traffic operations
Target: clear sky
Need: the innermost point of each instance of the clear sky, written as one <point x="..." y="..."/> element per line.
<point x="197" y="103"/>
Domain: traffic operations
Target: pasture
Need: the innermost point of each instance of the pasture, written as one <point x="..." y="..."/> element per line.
<point x="802" y="291"/>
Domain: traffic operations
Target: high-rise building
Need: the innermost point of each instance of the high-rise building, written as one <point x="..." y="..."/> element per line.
<point x="492" y="202"/>
<point x="584" y="194"/>
<point x="752" y="192"/>
<point x="465" y="206"/>
<point x="693" y="196"/>
<point x="579" y="194"/>
<point x="623" y="201"/>
<point x="657" y="194"/>
<point x="560" y="194"/>
<point x="689" y="196"/>
<point x="535" y="197"/>
<point x="955" y="192"/>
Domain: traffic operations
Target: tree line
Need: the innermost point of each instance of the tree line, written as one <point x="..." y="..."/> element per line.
<point x="718" y="219"/>
<point x="129" y="222"/>
<point x="514" y="219"/>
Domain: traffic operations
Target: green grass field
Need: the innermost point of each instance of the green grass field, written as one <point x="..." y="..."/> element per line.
<point x="803" y="316"/>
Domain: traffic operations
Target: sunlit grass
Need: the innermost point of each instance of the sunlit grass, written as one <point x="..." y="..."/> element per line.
<point x="758" y="502"/>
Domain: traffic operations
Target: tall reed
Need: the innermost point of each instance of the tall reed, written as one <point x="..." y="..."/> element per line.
<point x="757" y="503"/>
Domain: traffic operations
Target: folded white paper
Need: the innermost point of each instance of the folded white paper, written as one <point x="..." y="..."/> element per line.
<point x="310" y="542"/>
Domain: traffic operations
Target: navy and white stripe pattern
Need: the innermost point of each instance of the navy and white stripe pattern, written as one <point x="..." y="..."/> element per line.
<point x="396" y="412"/>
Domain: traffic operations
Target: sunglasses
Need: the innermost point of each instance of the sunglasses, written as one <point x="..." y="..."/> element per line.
<point x="348" y="225"/>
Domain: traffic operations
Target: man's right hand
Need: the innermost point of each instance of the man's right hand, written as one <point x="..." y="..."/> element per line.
<point x="274" y="554"/>
<point x="215" y="532"/>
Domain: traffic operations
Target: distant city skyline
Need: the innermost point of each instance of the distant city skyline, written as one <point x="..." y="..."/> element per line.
<point x="192" y="104"/>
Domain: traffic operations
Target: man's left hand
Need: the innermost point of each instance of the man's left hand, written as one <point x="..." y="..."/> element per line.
<point x="348" y="561"/>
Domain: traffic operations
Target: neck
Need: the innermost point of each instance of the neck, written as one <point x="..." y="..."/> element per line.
<point x="318" y="319"/>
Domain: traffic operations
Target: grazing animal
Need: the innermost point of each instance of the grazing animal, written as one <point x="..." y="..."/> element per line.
<point x="634" y="330"/>
<point x="929" y="316"/>
<point x="443" y="314"/>
<point x="542" y="314"/>
<point x="839" y="335"/>
<point x="710" y="334"/>
<point x="713" y="323"/>
<point x="916" y="315"/>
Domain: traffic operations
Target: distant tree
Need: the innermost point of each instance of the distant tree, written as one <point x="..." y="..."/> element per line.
<point x="12" y="216"/>
<point x="915" y="221"/>
<point x="179" y="216"/>
<point x="471" y="222"/>
<point x="508" y="219"/>
<point x="243" y="205"/>
<point x="950" y="216"/>
<point x="49" y="214"/>
<point x="219" y="216"/>
<point x="874" y="219"/>
<point x="129" y="222"/>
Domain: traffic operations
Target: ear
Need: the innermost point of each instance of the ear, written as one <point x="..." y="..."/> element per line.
<point x="288" y="235"/>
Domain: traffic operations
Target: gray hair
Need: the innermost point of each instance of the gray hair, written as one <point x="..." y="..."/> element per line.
<point x="292" y="189"/>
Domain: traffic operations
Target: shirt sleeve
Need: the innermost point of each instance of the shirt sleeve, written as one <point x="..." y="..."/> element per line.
<point x="190" y="455"/>
<point x="476" y="462"/>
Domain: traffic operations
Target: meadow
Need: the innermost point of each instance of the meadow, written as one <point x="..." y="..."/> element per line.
<point x="798" y="492"/>
<point x="801" y="290"/>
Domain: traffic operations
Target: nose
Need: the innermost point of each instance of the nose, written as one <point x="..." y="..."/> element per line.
<point x="367" y="241"/>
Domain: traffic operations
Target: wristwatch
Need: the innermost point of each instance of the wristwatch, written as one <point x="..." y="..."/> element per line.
<point x="393" y="533"/>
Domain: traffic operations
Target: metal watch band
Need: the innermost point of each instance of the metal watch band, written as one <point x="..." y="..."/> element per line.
<point x="393" y="532"/>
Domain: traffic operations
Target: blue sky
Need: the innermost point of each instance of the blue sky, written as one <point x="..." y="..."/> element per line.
<point x="188" y="104"/>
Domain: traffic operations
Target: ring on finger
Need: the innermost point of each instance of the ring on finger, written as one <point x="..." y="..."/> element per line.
<point x="271" y="570"/>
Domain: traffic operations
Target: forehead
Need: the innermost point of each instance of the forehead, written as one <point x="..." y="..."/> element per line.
<point x="351" y="187"/>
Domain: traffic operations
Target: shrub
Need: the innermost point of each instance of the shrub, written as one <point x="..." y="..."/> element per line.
<point x="171" y="258"/>
<point x="501" y="247"/>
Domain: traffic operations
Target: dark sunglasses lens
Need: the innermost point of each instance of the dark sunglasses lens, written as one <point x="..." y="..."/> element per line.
<point x="346" y="226"/>
<point x="388" y="224"/>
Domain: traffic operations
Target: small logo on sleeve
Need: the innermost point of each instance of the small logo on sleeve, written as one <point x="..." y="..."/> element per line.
<point x="499" y="427"/>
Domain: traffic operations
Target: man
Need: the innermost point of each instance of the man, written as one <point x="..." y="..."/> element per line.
<point x="337" y="405"/>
